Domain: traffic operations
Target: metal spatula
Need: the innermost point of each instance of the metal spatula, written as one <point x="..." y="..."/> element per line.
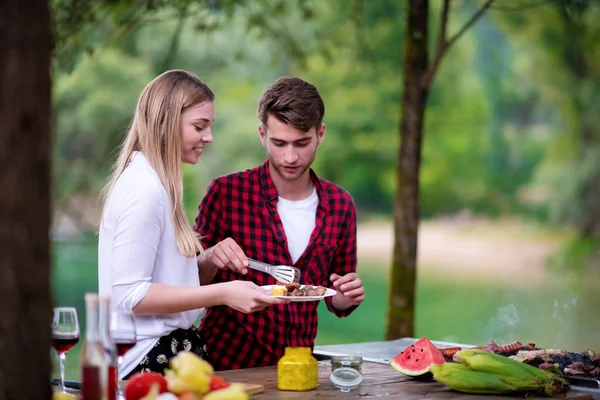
<point x="283" y="273"/>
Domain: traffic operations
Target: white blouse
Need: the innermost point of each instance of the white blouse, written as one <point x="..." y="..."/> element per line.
<point x="137" y="247"/>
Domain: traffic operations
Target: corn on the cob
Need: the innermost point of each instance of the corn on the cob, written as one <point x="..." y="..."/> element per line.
<point x="462" y="379"/>
<point x="485" y="361"/>
<point x="482" y="372"/>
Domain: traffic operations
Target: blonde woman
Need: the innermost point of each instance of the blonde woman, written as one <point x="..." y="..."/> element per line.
<point x="147" y="248"/>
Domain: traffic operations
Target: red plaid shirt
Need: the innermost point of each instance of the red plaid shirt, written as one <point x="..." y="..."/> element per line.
<point x="243" y="206"/>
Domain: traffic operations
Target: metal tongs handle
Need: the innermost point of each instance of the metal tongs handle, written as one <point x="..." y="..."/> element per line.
<point x="261" y="266"/>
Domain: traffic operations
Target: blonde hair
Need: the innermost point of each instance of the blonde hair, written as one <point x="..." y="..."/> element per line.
<point x="155" y="131"/>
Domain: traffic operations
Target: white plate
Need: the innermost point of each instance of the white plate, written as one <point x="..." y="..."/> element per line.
<point x="329" y="292"/>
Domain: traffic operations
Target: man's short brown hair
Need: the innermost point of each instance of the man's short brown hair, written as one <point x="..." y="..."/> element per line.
<point x="294" y="102"/>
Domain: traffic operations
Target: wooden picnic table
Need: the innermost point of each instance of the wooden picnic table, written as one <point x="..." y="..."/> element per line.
<point x="379" y="381"/>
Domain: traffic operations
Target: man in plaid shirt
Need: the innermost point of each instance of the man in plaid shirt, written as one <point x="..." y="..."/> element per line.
<point x="280" y="213"/>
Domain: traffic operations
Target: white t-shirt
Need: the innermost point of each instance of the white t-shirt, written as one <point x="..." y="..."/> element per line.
<point x="298" y="218"/>
<point x="137" y="247"/>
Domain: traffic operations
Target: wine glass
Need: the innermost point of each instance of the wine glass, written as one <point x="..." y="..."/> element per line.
<point x="65" y="335"/>
<point x="123" y="333"/>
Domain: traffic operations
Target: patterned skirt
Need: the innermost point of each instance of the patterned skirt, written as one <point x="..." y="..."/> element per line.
<point x="167" y="347"/>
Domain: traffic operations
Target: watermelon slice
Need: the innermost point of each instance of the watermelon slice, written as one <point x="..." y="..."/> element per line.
<point x="416" y="359"/>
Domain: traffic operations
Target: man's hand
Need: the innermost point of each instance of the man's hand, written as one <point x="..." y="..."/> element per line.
<point x="227" y="254"/>
<point x="350" y="290"/>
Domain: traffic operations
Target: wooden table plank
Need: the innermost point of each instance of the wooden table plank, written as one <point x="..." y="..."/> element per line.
<point x="379" y="381"/>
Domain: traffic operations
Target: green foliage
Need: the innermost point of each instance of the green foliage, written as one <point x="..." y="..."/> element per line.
<point x="500" y="138"/>
<point x="81" y="26"/>
<point x="577" y="199"/>
<point x="92" y="106"/>
<point x="577" y="257"/>
<point x="562" y="42"/>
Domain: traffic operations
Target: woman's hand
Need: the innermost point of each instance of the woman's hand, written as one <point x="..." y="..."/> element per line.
<point x="247" y="297"/>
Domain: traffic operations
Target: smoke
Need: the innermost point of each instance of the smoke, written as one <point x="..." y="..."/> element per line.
<point x="549" y="321"/>
<point x="508" y="315"/>
<point x="505" y="325"/>
<point x="564" y="320"/>
<point x="568" y="305"/>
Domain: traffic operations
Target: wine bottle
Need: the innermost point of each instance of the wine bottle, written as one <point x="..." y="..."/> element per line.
<point x="110" y="349"/>
<point x="93" y="361"/>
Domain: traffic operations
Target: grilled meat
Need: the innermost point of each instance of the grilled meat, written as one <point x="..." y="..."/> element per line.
<point x="295" y="289"/>
<point x="584" y="364"/>
<point x="544" y="355"/>
<point x="449" y="352"/>
<point x="501" y="349"/>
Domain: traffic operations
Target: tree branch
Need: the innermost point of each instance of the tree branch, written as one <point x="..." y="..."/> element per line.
<point x="443" y="44"/>
<point x="473" y="19"/>
<point x="523" y="7"/>
<point x="174" y="45"/>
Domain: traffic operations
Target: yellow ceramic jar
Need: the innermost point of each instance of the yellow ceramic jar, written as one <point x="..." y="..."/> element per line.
<point x="297" y="370"/>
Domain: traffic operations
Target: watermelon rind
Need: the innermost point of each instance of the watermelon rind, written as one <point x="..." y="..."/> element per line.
<point x="409" y="372"/>
<point x="408" y="362"/>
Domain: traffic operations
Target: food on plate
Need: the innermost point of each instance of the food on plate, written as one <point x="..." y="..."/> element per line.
<point x="417" y="358"/>
<point x="278" y="290"/>
<point x="295" y="289"/>
<point x="140" y="384"/>
<point x="484" y="372"/>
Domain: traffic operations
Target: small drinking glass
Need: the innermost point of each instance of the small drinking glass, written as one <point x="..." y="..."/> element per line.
<point x="123" y="333"/>
<point x="346" y="372"/>
<point x="65" y="335"/>
<point x="346" y="361"/>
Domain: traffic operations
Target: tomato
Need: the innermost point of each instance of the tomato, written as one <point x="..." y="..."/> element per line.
<point x="216" y="383"/>
<point x="139" y="385"/>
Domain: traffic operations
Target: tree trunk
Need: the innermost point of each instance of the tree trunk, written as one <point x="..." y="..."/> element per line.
<point x="25" y="308"/>
<point x="406" y="205"/>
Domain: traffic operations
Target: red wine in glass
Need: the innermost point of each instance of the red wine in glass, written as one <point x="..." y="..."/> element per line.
<point x="64" y="343"/>
<point x="123" y="346"/>
<point x="65" y="334"/>
<point x="123" y="332"/>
